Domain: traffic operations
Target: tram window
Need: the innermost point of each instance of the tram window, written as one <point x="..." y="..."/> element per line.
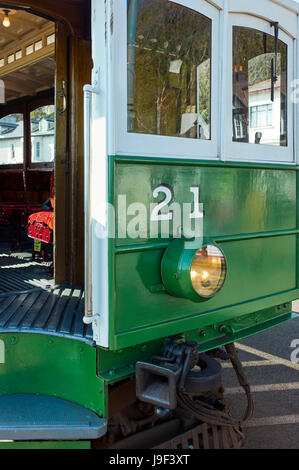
<point x="259" y="88"/>
<point x="12" y="139"/>
<point x="42" y="134"/>
<point x="169" y="70"/>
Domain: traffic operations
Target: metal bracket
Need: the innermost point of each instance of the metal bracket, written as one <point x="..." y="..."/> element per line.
<point x="94" y="320"/>
<point x="62" y="95"/>
<point x="156" y="385"/>
<point x="274" y="77"/>
<point x="159" y="384"/>
<point x="95" y="87"/>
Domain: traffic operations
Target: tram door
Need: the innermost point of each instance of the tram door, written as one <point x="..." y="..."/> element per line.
<point x="43" y="66"/>
<point x="27" y="149"/>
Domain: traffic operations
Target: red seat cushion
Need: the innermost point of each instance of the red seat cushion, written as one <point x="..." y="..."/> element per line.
<point x="41" y="226"/>
<point x="46" y="218"/>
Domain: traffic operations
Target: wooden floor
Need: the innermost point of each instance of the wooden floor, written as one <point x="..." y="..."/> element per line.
<point x="31" y="303"/>
<point x="19" y="273"/>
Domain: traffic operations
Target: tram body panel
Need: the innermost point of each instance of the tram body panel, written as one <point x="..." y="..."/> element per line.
<point x="68" y="364"/>
<point x="242" y="202"/>
<point x="140" y="291"/>
<point x="241" y="207"/>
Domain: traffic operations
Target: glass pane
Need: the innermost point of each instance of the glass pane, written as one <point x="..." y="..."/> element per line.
<point x="259" y="88"/>
<point x="43" y="134"/>
<point x="169" y="70"/>
<point x="12" y="139"/>
<point x="208" y="271"/>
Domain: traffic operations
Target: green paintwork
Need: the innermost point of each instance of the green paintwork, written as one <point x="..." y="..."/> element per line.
<point x="243" y="207"/>
<point x="215" y="336"/>
<point x="58" y="445"/>
<point x="236" y="200"/>
<point x="176" y="268"/>
<point x="114" y="366"/>
<point x="53" y="366"/>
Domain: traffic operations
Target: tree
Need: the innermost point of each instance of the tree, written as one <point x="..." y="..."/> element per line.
<point x="167" y="34"/>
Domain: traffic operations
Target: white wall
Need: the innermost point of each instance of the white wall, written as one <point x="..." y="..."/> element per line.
<point x="15" y="141"/>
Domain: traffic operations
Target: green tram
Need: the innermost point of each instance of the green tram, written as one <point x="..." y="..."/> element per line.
<point x="148" y="214"/>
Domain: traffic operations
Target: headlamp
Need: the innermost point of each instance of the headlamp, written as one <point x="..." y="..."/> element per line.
<point x="195" y="274"/>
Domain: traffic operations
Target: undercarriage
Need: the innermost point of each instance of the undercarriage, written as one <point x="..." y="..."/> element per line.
<point x="188" y="411"/>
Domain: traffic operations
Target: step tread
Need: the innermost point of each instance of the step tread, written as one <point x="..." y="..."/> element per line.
<point x="57" y="312"/>
<point x="42" y="417"/>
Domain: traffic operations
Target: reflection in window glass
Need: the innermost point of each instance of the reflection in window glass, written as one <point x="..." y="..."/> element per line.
<point x="169" y="70"/>
<point x="261" y="116"/>
<point x="43" y="134"/>
<point x="12" y="139"/>
<point x="259" y="88"/>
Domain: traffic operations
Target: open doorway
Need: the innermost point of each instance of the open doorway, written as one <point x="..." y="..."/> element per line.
<point x="45" y="60"/>
<point x="27" y="150"/>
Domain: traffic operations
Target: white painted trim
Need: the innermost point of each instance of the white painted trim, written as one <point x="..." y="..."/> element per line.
<point x="252" y="152"/>
<point x="156" y="145"/>
<point x="223" y="45"/>
<point x="290" y="5"/>
<point x="296" y="106"/>
<point x="109" y="44"/>
<point x="266" y="10"/>
<point x="219" y="4"/>
<point x="101" y="106"/>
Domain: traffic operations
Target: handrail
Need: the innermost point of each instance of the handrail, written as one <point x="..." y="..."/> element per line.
<point x="88" y="91"/>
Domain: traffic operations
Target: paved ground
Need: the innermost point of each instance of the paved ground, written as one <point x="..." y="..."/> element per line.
<point x="275" y="384"/>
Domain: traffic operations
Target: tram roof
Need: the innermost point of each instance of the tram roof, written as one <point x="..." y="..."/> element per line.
<point x="292" y="5"/>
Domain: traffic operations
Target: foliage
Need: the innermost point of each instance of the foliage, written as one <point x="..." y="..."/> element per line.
<point x="43" y="112"/>
<point x="168" y="33"/>
<point x="253" y="51"/>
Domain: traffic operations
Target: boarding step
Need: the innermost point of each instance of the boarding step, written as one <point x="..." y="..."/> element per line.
<point x="56" y="312"/>
<point x="38" y="417"/>
<point x="18" y="272"/>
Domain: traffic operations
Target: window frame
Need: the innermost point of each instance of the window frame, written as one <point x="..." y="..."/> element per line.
<point x="25" y="106"/>
<point x="15" y="109"/>
<point x="257" y="111"/>
<point x="126" y="143"/>
<point x="250" y="152"/>
<point x="35" y="104"/>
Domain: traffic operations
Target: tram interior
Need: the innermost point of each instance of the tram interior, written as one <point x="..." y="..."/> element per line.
<point x="27" y="146"/>
<point x="29" y="298"/>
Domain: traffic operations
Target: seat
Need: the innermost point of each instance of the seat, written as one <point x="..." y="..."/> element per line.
<point x="41" y="224"/>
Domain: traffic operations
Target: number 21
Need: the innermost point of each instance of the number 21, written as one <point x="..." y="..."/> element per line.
<point x="158" y="215"/>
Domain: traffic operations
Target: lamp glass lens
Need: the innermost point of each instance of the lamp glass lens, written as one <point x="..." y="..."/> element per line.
<point x="208" y="271"/>
<point x="6" y="21"/>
